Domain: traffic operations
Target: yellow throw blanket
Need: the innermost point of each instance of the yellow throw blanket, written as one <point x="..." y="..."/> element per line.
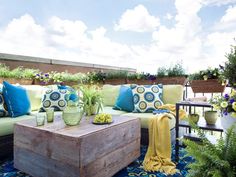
<point x="158" y="156"/>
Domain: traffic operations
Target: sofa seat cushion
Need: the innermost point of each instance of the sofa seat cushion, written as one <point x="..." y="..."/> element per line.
<point x="110" y="110"/>
<point x="146" y="116"/>
<point x="7" y="123"/>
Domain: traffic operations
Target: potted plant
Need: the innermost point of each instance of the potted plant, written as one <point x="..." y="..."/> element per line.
<point x="18" y="75"/>
<point x="226" y="104"/>
<point x="212" y="159"/>
<point x="207" y="81"/>
<point x="73" y="112"/>
<point x="211" y="117"/>
<point x="42" y="78"/>
<point x="172" y="75"/>
<point x="116" y="77"/>
<point x="140" y="78"/>
<point x="91" y="99"/>
<point x="95" y="78"/>
<point x="229" y="69"/>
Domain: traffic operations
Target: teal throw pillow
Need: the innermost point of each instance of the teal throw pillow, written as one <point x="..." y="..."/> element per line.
<point x="147" y="98"/>
<point x="16" y="99"/>
<point x="125" y="101"/>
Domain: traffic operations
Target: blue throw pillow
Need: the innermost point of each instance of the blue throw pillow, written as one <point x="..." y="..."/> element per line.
<point x="125" y="99"/>
<point x="16" y="99"/>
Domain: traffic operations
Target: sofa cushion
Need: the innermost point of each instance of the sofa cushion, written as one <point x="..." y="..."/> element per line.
<point x="147" y="98"/>
<point x="17" y="99"/>
<point x="7" y="123"/>
<point x="35" y="93"/>
<point x="172" y="93"/>
<point x="125" y="99"/>
<point x="110" y="110"/>
<point x="109" y="94"/>
<point x="145" y="118"/>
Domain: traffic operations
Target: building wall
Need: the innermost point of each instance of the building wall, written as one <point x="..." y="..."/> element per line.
<point x="47" y="65"/>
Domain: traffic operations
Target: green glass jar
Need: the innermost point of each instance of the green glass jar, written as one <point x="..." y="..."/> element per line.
<point x="72" y="116"/>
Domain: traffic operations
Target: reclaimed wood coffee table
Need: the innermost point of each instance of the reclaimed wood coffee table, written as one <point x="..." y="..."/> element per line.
<point x="85" y="150"/>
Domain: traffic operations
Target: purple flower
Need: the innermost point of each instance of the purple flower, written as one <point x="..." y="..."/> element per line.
<point x="46" y="75"/>
<point x="226" y="96"/>
<point x="231" y="100"/>
<point x="37" y="74"/>
<point x="225" y="113"/>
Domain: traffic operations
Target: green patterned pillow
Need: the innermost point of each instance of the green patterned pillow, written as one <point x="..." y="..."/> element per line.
<point x="147" y="98"/>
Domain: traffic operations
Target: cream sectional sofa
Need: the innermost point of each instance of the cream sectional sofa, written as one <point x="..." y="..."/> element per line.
<point x="171" y="94"/>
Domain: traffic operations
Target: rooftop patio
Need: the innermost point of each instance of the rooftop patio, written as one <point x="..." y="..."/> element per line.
<point x="95" y="120"/>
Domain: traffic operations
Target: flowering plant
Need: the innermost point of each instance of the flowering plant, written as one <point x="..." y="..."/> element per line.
<point x="226" y="103"/>
<point x="43" y="77"/>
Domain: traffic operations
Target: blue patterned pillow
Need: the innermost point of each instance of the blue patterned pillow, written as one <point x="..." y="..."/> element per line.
<point x="147" y="98"/>
<point x="54" y="99"/>
<point x="3" y="106"/>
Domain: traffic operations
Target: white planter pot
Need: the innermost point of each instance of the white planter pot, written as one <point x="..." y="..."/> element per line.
<point x="227" y="121"/>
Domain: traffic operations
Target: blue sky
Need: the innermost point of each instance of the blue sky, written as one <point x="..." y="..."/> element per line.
<point x="142" y="34"/>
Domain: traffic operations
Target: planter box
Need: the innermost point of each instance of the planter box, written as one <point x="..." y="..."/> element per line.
<point x="37" y="82"/>
<point x="17" y="81"/>
<point x="115" y="81"/>
<point x="207" y="86"/>
<point x="140" y="82"/>
<point x="182" y="80"/>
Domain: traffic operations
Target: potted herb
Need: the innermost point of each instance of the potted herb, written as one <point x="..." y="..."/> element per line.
<point x="116" y="77"/>
<point x="91" y="99"/>
<point x="207" y="81"/>
<point x="172" y="75"/>
<point x="229" y="69"/>
<point x="212" y="159"/>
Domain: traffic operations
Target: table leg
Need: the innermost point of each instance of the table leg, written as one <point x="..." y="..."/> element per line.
<point x="177" y="134"/>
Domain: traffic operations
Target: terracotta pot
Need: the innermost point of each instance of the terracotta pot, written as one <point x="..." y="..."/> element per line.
<point x="17" y="81"/>
<point x="180" y="80"/>
<point x="140" y="82"/>
<point x="115" y="81"/>
<point x="37" y="82"/>
<point x="207" y="86"/>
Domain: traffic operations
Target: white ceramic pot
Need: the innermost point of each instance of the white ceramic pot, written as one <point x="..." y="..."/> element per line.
<point x="227" y="121"/>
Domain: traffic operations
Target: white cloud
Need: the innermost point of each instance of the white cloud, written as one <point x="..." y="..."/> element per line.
<point x="218" y="2"/>
<point x="73" y="40"/>
<point x="138" y="20"/>
<point x="229" y="18"/>
<point x="168" y="16"/>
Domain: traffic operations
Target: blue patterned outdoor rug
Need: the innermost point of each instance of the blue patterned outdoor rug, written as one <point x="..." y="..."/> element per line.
<point x="135" y="169"/>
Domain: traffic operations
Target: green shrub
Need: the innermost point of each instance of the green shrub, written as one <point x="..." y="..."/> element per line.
<point x="213" y="160"/>
<point x="229" y="70"/>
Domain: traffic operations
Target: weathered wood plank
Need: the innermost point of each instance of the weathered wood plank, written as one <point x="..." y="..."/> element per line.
<point x="41" y="166"/>
<point x="112" y="162"/>
<point x="107" y="140"/>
